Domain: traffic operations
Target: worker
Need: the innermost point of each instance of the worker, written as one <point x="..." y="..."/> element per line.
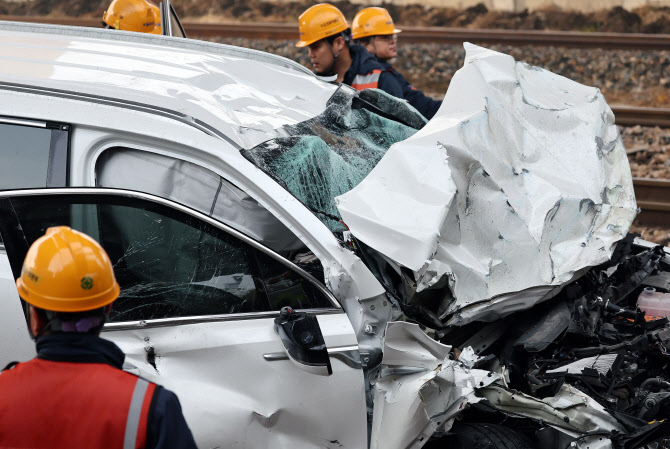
<point x="374" y="29"/>
<point x="74" y="394"/>
<point x="133" y="15"/>
<point x="326" y="33"/>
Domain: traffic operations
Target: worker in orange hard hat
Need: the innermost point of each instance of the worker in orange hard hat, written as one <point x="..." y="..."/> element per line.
<point x="75" y="390"/>
<point x="133" y="15"/>
<point x="326" y="34"/>
<point x="374" y="29"/>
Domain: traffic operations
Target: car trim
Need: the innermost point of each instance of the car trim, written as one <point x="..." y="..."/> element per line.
<point x="179" y="321"/>
<point x="184" y="209"/>
<point x="350" y="355"/>
<point x="22" y="122"/>
<point x="125" y="104"/>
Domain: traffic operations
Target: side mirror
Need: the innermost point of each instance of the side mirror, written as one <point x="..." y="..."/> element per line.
<point x="302" y="338"/>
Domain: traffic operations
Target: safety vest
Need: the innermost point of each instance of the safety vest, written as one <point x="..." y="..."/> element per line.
<point x="369" y="81"/>
<point x="46" y="404"/>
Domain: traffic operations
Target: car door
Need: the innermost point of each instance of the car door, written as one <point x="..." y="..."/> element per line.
<point x="199" y="314"/>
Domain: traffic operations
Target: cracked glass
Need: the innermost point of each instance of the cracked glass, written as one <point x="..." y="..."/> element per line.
<point x="330" y="154"/>
<point x="171" y="264"/>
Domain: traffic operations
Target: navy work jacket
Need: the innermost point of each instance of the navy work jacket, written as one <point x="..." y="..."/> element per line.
<point x="366" y="72"/>
<point x="425" y="105"/>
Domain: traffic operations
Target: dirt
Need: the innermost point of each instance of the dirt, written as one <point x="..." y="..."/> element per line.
<point x="645" y="19"/>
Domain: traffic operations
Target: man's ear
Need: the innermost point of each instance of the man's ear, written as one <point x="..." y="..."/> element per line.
<point x="108" y="308"/>
<point x="36" y="323"/>
<point x="338" y="44"/>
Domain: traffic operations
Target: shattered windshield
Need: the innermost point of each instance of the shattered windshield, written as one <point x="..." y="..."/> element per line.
<point x="330" y="154"/>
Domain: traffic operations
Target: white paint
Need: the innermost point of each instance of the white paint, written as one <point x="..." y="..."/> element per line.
<point x="225" y="87"/>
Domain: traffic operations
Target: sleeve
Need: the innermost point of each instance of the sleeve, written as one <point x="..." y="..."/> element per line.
<point x="425" y="105"/>
<point x="389" y="84"/>
<point x="167" y="427"/>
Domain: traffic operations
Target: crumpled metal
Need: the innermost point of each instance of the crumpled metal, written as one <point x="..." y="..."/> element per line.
<point x="421" y="388"/>
<point x="520" y="181"/>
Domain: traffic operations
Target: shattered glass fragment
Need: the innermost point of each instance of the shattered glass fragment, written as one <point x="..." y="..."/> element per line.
<point x="330" y="154"/>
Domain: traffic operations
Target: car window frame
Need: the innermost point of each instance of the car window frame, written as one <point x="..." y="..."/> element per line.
<point x="12" y="253"/>
<point x="140" y="150"/>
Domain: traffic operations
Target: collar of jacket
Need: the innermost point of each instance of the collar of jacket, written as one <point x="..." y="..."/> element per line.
<point x="79" y="348"/>
<point x="385" y="65"/>
<point x="362" y="63"/>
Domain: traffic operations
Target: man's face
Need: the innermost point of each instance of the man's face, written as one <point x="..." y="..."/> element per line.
<point x="386" y="46"/>
<point x="321" y="57"/>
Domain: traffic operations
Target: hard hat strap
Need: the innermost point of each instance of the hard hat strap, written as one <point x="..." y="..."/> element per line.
<point x="330" y="46"/>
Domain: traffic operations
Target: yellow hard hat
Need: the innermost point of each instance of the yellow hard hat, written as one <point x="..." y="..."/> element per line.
<point x="67" y="271"/>
<point x="372" y="21"/>
<point x="319" y="22"/>
<point x="130" y="15"/>
<point x="157" y="19"/>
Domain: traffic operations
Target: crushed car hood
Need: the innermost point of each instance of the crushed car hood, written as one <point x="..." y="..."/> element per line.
<point x="517" y="184"/>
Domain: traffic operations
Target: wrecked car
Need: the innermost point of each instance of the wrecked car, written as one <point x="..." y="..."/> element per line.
<point x="307" y="265"/>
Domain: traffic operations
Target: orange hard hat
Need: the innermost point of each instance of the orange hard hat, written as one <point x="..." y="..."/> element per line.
<point x="319" y="22"/>
<point x="67" y="271"/>
<point x="372" y="21"/>
<point x="157" y="19"/>
<point x="131" y="15"/>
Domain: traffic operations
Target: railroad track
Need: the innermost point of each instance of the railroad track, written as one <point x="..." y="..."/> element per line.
<point x="653" y="198"/>
<point x="631" y="116"/>
<point x="437" y="35"/>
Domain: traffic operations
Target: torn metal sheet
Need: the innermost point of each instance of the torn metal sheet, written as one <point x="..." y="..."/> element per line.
<point x="601" y="363"/>
<point x="421" y="389"/>
<point x="570" y="410"/>
<point x="519" y="181"/>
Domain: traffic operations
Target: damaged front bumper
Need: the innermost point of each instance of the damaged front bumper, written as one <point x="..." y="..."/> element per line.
<point x="587" y="369"/>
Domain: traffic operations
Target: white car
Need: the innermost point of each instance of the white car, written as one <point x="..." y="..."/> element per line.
<point x="217" y="179"/>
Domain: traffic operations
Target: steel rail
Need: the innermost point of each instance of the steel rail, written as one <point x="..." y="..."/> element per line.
<point x="437" y="35"/>
<point x="631" y="116"/>
<point x="653" y="198"/>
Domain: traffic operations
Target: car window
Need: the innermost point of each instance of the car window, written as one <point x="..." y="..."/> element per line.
<point x="33" y="154"/>
<point x="169" y="263"/>
<point x="196" y="187"/>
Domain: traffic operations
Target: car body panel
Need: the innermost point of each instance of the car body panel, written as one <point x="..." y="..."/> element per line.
<point x="220" y="375"/>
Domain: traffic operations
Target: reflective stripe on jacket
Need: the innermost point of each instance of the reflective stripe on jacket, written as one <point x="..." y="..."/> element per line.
<point x="369" y="81"/>
<point x="365" y="72"/>
<point x="49" y="404"/>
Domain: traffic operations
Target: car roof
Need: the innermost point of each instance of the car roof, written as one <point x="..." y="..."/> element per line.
<point x="246" y="96"/>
